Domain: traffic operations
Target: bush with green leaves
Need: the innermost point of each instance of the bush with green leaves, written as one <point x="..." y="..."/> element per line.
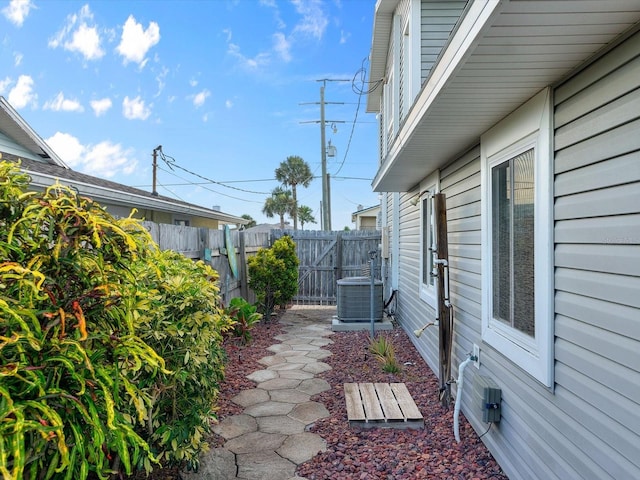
<point x="110" y="350"/>
<point x="244" y="316"/>
<point x="273" y="274"/>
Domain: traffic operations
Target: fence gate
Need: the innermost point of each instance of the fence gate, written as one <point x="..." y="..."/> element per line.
<point x="326" y="257"/>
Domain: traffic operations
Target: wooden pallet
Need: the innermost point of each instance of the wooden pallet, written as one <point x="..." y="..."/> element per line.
<point x="387" y="405"/>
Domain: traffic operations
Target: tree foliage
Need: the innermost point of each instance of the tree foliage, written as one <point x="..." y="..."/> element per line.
<point x="305" y="215"/>
<point x="280" y="203"/>
<point x="109" y="348"/>
<point x="292" y="172"/>
<point x="273" y="274"/>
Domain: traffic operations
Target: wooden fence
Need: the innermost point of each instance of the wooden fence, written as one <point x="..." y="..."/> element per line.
<point x="209" y="245"/>
<point x="325" y="257"/>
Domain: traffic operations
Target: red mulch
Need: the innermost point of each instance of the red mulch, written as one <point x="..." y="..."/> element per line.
<point x="366" y="454"/>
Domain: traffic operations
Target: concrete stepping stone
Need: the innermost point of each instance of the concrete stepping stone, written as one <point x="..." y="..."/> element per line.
<point x="302" y="447"/>
<point x="272" y="360"/>
<point x="270" y="408"/>
<point x="218" y="463"/>
<point x="280" y="383"/>
<point x="289" y="395"/>
<point x="319" y="354"/>
<point x="235" y="426"/>
<point x="313" y="386"/>
<point x="300" y="359"/>
<point x="262" y="375"/>
<point x="246" y="398"/>
<point x="255" y="442"/>
<point x="264" y="466"/>
<point x="287" y="366"/>
<point x="279" y="347"/>
<point x="309" y="412"/>
<point x="298" y="374"/>
<point x="315" y="368"/>
<point x="280" y="424"/>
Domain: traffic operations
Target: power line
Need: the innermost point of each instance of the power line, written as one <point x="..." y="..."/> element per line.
<point x="360" y="91"/>
<point x="209" y="189"/>
<point x="171" y="163"/>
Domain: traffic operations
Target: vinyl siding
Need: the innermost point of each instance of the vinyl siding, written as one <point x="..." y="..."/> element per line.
<point x="438" y="20"/>
<point x="588" y="425"/>
<point x="597" y="257"/>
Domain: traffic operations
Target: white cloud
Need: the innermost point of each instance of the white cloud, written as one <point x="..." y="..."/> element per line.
<point x="68" y="148"/>
<point x="59" y="103"/>
<point x="78" y="36"/>
<point x="136" y="42"/>
<point x="17" y="59"/>
<point x="259" y="60"/>
<point x="199" y="98"/>
<point x="161" y="79"/>
<point x="228" y="104"/>
<point x="282" y="46"/>
<point x="105" y="159"/>
<point x="4" y="84"/>
<point x="17" y="11"/>
<point x="193" y="83"/>
<point x="135" y="109"/>
<point x="344" y="36"/>
<point x="22" y="94"/>
<point x="314" y="21"/>
<point x="100" y="107"/>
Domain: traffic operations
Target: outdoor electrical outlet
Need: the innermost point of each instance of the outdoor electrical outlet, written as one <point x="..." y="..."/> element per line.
<point x="476" y="354"/>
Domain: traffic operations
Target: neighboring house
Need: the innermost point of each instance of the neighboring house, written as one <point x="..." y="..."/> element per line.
<point x="19" y="142"/>
<point x="526" y="115"/>
<point x="366" y="218"/>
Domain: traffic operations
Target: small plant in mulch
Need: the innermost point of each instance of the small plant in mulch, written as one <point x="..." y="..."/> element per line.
<point x="381" y="347"/>
<point x="245" y="317"/>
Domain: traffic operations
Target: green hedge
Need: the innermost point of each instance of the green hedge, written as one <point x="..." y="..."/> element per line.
<point x="110" y="350"/>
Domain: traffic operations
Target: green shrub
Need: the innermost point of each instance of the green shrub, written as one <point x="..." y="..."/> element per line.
<point x="244" y="316"/>
<point x="109" y="349"/>
<point x="273" y="274"/>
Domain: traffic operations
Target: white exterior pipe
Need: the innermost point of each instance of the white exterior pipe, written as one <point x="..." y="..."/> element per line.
<point x="456" y="410"/>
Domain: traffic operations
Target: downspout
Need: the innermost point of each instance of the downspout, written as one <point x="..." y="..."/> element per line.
<point x="460" y="382"/>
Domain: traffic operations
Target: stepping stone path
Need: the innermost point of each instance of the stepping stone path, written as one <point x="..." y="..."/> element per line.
<point x="271" y="438"/>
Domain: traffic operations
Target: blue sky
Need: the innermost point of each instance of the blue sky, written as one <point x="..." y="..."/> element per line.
<point x="227" y="87"/>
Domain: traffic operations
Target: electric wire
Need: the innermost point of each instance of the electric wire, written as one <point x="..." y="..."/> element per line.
<point x="359" y="91"/>
<point x="171" y="163"/>
<point x="206" y="188"/>
<point x="486" y="431"/>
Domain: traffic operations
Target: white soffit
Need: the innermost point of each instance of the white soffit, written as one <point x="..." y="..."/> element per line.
<point x="502" y="54"/>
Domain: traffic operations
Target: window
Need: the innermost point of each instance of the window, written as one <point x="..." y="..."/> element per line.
<point x="428" y="188"/>
<point x="183" y="223"/>
<point x="517" y="254"/>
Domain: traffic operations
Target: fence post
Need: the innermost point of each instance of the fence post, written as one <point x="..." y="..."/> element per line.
<point x="242" y="267"/>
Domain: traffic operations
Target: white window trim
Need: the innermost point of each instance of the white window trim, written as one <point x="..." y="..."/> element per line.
<point x="428" y="187"/>
<point x="529" y="126"/>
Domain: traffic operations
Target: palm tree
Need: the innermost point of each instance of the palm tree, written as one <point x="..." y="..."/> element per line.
<point x="279" y="203"/>
<point x="292" y="172"/>
<point x="305" y="215"/>
<point x="252" y="222"/>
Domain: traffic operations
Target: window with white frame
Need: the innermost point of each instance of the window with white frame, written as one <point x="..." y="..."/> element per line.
<point x="428" y="188"/>
<point x="517" y="273"/>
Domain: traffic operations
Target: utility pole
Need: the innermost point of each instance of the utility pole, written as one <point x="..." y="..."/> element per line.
<point x="325" y="219"/>
<point x="154" y="192"/>
<point x="326" y="211"/>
